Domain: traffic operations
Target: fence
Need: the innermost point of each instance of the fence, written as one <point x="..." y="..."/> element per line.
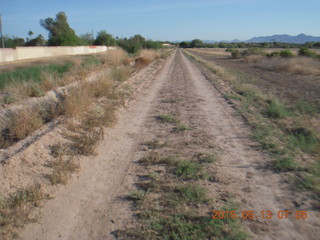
<point x="24" y="53"/>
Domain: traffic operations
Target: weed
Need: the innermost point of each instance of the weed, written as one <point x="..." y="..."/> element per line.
<point x="190" y="170"/>
<point x="304" y="139"/>
<point x="20" y="126"/>
<point x="191" y="193"/>
<point x="276" y="110"/>
<point x="207" y="157"/>
<point x="84" y="142"/>
<point x="62" y="169"/>
<point x="58" y="150"/>
<point x="9" y="98"/>
<point x="35" y="91"/>
<point x="137" y="195"/>
<point x="154" y="158"/>
<point x="181" y="128"/>
<point x="15" y="209"/>
<point x="286" y="163"/>
<point x="306" y="108"/>
<point x="121" y="74"/>
<point x="167" y="118"/>
<point x="232" y="96"/>
<point x="156" y="144"/>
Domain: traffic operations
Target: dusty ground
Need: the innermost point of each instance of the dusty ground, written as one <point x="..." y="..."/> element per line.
<point x="291" y="87"/>
<point x="92" y="204"/>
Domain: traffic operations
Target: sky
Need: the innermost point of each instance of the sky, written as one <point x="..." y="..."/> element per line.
<point x="167" y="20"/>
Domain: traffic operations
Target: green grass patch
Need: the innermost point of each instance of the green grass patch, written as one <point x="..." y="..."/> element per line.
<point x="232" y="96"/>
<point x="32" y="74"/>
<point x="191" y="193"/>
<point x="304" y="139"/>
<point x="284" y="163"/>
<point x="137" y="195"/>
<point x="181" y="128"/>
<point x="190" y="170"/>
<point x="154" y="158"/>
<point x="306" y="108"/>
<point x="167" y="118"/>
<point x="207" y="157"/>
<point x="91" y="61"/>
<point x="275" y="110"/>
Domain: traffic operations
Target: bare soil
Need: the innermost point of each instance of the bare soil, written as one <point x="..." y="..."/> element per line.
<point x="291" y="87"/>
<point x="93" y="204"/>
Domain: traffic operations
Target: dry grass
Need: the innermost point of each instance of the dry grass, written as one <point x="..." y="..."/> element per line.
<point x="62" y="169"/>
<point x="116" y="57"/>
<point x="146" y="56"/>
<point x="15" y="210"/>
<point x="297" y="65"/>
<point x="20" y="126"/>
<point x="253" y="58"/>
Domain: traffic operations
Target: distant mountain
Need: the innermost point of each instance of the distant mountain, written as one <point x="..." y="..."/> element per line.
<point x="301" y="38"/>
<point x="284" y="38"/>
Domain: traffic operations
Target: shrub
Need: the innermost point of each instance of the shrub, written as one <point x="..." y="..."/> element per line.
<point x="286" y="53"/>
<point x="304" y="51"/>
<point x="236" y="54"/>
<point x="253" y="51"/>
<point x="273" y="54"/>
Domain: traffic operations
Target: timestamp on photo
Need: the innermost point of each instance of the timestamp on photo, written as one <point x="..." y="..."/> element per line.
<point x="265" y="214"/>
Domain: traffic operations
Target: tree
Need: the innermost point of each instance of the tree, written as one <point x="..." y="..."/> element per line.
<point x="38" y="41"/>
<point x="30" y="33"/>
<point x="197" y="43"/>
<point x="60" y="33"/>
<point x="184" y="44"/>
<point x="87" y="39"/>
<point x="13" y="42"/>
<point x="105" y="38"/>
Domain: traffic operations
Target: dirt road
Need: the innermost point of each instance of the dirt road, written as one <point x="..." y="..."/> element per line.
<point x="92" y="204"/>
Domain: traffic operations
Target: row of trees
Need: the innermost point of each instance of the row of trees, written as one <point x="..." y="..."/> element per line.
<point x="61" y="34"/>
<point x="197" y="43"/>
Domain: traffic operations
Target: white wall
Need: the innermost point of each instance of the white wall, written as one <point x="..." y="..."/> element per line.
<point x="23" y="53"/>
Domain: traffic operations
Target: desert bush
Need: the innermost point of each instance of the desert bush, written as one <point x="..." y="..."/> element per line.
<point x="306" y="52"/>
<point x="236" y="54"/>
<point x="253" y="51"/>
<point x="286" y="53"/>
<point x="273" y="54"/>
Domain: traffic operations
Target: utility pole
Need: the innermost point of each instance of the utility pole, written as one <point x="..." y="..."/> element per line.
<point x="92" y="37"/>
<point x="2" y="39"/>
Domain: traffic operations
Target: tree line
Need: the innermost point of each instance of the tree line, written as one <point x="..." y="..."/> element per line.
<point x="61" y="34"/>
<point x="197" y="43"/>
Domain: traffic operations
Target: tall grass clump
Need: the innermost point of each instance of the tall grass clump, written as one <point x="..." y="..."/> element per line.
<point x="32" y="74"/>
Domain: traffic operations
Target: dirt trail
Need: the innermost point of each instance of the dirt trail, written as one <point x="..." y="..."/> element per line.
<point x="91" y="205"/>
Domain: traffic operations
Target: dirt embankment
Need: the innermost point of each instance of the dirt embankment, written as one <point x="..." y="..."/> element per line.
<point x="93" y="204"/>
